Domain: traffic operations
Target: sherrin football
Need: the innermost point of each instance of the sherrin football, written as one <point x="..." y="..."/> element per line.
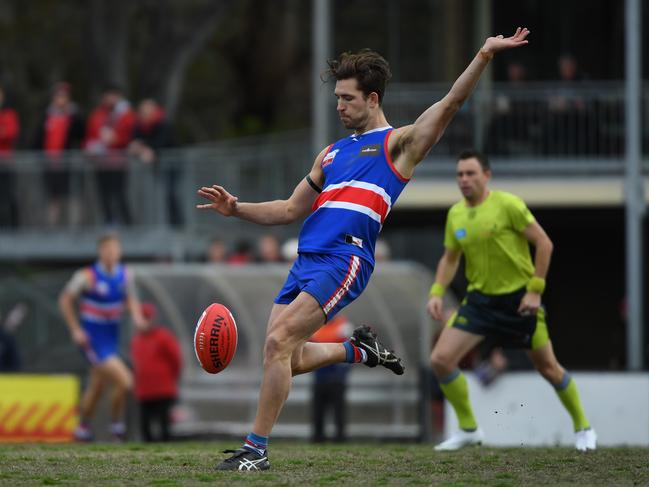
<point x="215" y="338"/>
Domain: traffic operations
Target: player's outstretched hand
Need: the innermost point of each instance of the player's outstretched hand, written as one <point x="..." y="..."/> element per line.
<point x="499" y="43"/>
<point x="435" y="307"/>
<point x="220" y="200"/>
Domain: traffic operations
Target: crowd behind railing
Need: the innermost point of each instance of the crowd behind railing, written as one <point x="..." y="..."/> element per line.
<point x="113" y="133"/>
<point x="90" y="163"/>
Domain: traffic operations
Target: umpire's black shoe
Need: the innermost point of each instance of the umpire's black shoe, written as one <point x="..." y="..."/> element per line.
<point x="377" y="353"/>
<point x="244" y="460"/>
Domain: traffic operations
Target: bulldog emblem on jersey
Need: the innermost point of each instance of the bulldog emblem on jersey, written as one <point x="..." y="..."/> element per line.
<point x="329" y="158"/>
<point x="102" y="288"/>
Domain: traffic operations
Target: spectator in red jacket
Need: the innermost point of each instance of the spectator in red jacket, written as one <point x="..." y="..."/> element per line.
<point x="157" y="363"/>
<point x="152" y="134"/>
<point x="108" y="132"/>
<point x="61" y="129"/>
<point x="9" y="130"/>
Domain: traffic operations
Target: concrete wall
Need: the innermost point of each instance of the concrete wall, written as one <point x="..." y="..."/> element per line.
<point x="521" y="409"/>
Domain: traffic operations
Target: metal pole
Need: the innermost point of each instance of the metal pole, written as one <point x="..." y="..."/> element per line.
<point x="633" y="188"/>
<point x="320" y="52"/>
<point x="482" y="99"/>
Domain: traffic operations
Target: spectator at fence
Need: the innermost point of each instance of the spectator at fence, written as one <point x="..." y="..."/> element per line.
<point x="268" y="249"/>
<point x="242" y="253"/>
<point x="216" y="251"/>
<point x="289" y="249"/>
<point x="330" y="382"/>
<point x="9" y="131"/>
<point x="108" y="132"/>
<point x="157" y="363"/>
<point x="515" y="125"/>
<point x="61" y="129"/>
<point x="567" y="111"/>
<point x="153" y="133"/>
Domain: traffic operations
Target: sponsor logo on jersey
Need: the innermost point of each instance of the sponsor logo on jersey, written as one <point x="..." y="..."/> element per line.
<point x="370" y="150"/>
<point x="460" y="233"/>
<point x="329" y="158"/>
<point x="350" y="239"/>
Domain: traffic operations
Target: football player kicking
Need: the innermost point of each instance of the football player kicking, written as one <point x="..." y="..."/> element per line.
<point x="349" y="192"/>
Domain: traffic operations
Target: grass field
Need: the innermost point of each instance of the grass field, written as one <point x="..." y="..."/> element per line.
<point x="305" y="465"/>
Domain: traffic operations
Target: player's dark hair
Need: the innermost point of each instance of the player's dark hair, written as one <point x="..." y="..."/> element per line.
<point x="369" y="68"/>
<point x="472" y="153"/>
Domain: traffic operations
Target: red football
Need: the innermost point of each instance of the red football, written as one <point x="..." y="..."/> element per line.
<point x="215" y="338"/>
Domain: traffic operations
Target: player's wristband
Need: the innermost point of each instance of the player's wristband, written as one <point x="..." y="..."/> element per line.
<point x="437" y="290"/>
<point x="536" y="285"/>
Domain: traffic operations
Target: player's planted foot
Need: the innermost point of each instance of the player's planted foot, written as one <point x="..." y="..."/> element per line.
<point x="118" y="432"/>
<point x="377" y="353"/>
<point x="244" y="460"/>
<point x="586" y="440"/>
<point x="83" y="433"/>
<point x="461" y="439"/>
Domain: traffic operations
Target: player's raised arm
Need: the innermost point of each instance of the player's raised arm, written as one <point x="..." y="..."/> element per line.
<point x="278" y="212"/>
<point x="410" y="144"/>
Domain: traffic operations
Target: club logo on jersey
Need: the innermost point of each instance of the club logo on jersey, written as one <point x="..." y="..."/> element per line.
<point x="460" y="233"/>
<point x="102" y="288"/>
<point x="329" y="158"/>
<point x="370" y="150"/>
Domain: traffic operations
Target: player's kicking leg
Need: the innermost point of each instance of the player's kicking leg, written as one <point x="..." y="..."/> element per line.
<point x="286" y="354"/>
<point x="289" y="326"/>
<point x="546" y="363"/>
<point x="452" y="345"/>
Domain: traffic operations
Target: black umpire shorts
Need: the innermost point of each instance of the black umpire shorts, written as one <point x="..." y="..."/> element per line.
<point x="498" y="320"/>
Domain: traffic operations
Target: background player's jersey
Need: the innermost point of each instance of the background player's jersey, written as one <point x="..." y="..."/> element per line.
<point x="497" y="254"/>
<point x="360" y="186"/>
<point x="102" y="302"/>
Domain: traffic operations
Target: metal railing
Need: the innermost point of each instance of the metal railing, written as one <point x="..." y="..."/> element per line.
<point x="537" y="130"/>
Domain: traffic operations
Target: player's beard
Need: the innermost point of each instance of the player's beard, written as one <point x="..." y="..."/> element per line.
<point x="348" y="123"/>
<point x="356" y="124"/>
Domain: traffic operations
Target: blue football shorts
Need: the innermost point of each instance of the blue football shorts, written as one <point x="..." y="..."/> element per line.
<point x="333" y="280"/>
<point x="104" y="342"/>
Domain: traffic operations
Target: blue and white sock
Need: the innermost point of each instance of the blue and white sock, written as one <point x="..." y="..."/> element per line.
<point x="354" y="354"/>
<point x="256" y="444"/>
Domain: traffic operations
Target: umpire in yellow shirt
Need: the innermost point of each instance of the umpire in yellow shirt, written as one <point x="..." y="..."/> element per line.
<point x="493" y="229"/>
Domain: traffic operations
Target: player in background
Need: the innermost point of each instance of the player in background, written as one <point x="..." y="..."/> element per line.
<point x="102" y="289"/>
<point x="493" y="229"/>
<point x="347" y="194"/>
